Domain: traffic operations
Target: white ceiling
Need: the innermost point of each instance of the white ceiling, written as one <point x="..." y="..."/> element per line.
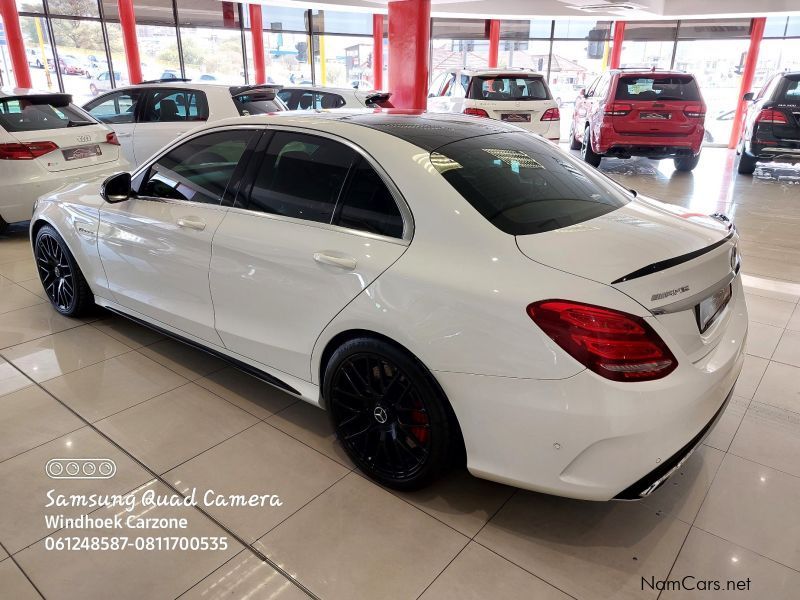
<point x="616" y="9"/>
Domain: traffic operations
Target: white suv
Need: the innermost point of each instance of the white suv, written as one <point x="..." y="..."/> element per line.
<point x="516" y="96"/>
<point x="148" y="116"/>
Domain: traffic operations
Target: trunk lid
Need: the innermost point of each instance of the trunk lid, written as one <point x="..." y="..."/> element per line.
<point x="78" y="147"/>
<point x="652" y="117"/>
<point x="657" y="104"/>
<point x="666" y="259"/>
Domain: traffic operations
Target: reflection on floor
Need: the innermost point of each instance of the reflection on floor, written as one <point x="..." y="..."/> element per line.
<point x="174" y="419"/>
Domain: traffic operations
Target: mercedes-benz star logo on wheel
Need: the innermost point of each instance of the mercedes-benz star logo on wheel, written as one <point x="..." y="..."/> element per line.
<point x="380" y="414"/>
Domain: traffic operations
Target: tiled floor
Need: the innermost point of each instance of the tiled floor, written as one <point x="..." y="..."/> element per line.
<point x="174" y="419"/>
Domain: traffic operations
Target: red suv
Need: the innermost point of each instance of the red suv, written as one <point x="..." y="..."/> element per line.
<point x="625" y="112"/>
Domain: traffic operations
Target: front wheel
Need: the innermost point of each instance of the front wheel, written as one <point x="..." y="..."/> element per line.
<point x="686" y="163"/>
<point x="574" y="144"/>
<point x="587" y="154"/>
<point x="388" y="413"/>
<point x="747" y="163"/>
<point x="61" y="278"/>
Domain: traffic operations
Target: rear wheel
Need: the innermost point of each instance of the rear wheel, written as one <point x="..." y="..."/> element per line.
<point x="574" y="144"/>
<point x="61" y="278"/>
<point x="747" y="164"/>
<point x="686" y="163"/>
<point x="388" y="413"/>
<point x="587" y="153"/>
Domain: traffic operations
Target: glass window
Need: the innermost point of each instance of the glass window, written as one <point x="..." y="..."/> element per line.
<point x="450" y="54"/>
<point x="119" y="107"/>
<point x="213" y="55"/>
<point x="367" y="204"/>
<point x="198" y="170"/>
<point x="208" y="13"/>
<point x="650" y="31"/>
<point x="587" y="29"/>
<point x="789" y="90"/>
<point x="148" y="12"/>
<point x="81" y="54"/>
<point x="330" y="21"/>
<point x="714" y="29"/>
<point x="39" y="52"/>
<point x="348" y="61"/>
<point x="508" y="87"/>
<point x="286" y="57"/>
<point x="574" y="64"/>
<point x="158" y="47"/>
<point x="631" y="87"/>
<point x="793" y="27"/>
<point x="641" y="54"/>
<point x="258" y="102"/>
<point x="74" y="8"/>
<point x="301" y="177"/>
<point x="523" y="30"/>
<point x="279" y="18"/>
<point x="775" y="27"/>
<point x="776" y="56"/>
<point x="39" y="114"/>
<point x="519" y="185"/>
<point x="176" y="105"/>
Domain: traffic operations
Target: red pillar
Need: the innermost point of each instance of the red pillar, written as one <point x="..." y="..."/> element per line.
<point x="494" y="42"/>
<point x="409" y="49"/>
<point x="127" y="19"/>
<point x="756" y="33"/>
<point x="616" y="48"/>
<point x="16" y="46"/>
<point x="257" y="29"/>
<point x="377" y="51"/>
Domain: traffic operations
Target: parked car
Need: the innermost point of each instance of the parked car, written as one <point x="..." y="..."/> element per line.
<point x="567" y="335"/>
<point x="102" y="82"/>
<point x="640" y="112"/>
<point x="520" y="97"/>
<point x="148" y="116"/>
<point x="94" y="65"/>
<point x="35" y="58"/>
<point x="45" y="142"/>
<point x="310" y="98"/>
<point x="564" y="93"/>
<point x="771" y="131"/>
<point x="69" y="65"/>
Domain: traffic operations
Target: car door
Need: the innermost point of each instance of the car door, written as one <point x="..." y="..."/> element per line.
<point x="315" y="227"/>
<point x="156" y="246"/>
<point x="119" y="111"/>
<point x="168" y="113"/>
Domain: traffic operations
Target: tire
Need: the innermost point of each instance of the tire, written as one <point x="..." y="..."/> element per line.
<point x="747" y="164"/>
<point x="61" y="278"/>
<point x="686" y="163"/>
<point x="3" y="226"/>
<point x="587" y="153"/>
<point x="389" y="414"/>
<point x="574" y="144"/>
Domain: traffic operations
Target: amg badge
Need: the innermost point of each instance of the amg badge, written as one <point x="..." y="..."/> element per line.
<point x="669" y="293"/>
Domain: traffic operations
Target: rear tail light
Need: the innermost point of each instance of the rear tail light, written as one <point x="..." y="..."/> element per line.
<point x="695" y="111"/>
<point x="769" y="115"/>
<point x="476" y="112"/>
<point x="26" y="151"/>
<point x="618" y="109"/>
<point x="111" y="138"/>
<point x="617" y="345"/>
<point x="551" y="114"/>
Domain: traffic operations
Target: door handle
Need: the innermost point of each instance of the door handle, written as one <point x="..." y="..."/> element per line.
<point x="191" y="224"/>
<point x="335" y="261"/>
<point x="124" y="135"/>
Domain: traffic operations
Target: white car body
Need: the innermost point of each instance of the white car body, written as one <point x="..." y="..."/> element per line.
<point x="276" y="293"/>
<point x="458" y="93"/>
<point x="22" y="181"/>
<point x="316" y="98"/>
<point x="141" y="138"/>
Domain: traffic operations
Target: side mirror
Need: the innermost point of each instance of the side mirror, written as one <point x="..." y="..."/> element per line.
<point x="748" y="96"/>
<point x="582" y="93"/>
<point x="116" y="188"/>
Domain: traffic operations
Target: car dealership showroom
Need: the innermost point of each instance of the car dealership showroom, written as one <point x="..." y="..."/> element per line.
<point x="399" y="299"/>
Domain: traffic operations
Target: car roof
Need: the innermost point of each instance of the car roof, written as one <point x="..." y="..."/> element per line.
<point x="6" y="92"/>
<point x="498" y="70"/>
<point x="211" y="85"/>
<point x="425" y="130"/>
<point x="319" y="88"/>
<point x="650" y="71"/>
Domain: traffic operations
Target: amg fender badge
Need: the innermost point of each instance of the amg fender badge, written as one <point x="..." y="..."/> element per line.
<point x="669" y="293"/>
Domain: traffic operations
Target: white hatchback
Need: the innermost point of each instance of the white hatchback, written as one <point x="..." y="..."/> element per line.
<point x="45" y="142"/>
<point x="516" y="96"/>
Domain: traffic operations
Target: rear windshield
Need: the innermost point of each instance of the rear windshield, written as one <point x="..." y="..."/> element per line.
<point x="666" y="87"/>
<point x="39" y="114"/>
<point x="524" y="185"/>
<point x="258" y="104"/>
<point x="789" y="93"/>
<point x="508" y="87"/>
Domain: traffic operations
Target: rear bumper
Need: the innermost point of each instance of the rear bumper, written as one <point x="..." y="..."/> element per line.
<point x="788" y="152"/>
<point x="549" y="129"/>
<point x="589" y="438"/>
<point x="613" y="143"/>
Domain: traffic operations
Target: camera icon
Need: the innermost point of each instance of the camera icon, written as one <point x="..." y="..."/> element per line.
<point x="80" y="468"/>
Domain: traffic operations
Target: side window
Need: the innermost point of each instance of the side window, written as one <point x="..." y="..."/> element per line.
<point x="329" y="100"/>
<point x="286" y="96"/>
<point x="590" y="91"/>
<point x="301" y="177"/>
<point x="602" y="87"/>
<point x="116" y="108"/>
<point x="305" y="100"/>
<point x="367" y="205"/>
<point x="448" y="85"/>
<point x="764" y="88"/>
<point x="198" y="170"/>
<point x="168" y="106"/>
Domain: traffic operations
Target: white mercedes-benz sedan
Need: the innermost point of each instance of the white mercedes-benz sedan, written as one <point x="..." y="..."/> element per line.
<point x="443" y="285"/>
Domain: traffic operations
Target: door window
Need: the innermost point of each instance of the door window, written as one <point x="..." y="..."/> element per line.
<point x="198" y="170"/>
<point x="367" y="204"/>
<point x="329" y="100"/>
<point x="115" y="108"/>
<point x="301" y="177"/>
<point x="169" y="106"/>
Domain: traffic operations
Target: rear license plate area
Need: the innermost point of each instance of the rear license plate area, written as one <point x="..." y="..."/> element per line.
<point x="655" y="116"/>
<point x="709" y="309"/>
<point x="81" y="152"/>
<point x="516" y="117"/>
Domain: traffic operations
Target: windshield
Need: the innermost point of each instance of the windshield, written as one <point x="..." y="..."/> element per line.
<point x="523" y="185"/>
<point x="790" y="92"/>
<point x="655" y="87"/>
<point x="508" y="87"/>
<point x="38" y="114"/>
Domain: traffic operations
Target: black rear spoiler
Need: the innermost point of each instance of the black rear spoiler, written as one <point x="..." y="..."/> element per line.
<point x="377" y="98"/>
<point x="265" y="91"/>
<point x="43" y="98"/>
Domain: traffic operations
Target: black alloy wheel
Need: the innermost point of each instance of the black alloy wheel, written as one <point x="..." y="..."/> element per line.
<point x="61" y="278"/>
<point x="387" y="413"/>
